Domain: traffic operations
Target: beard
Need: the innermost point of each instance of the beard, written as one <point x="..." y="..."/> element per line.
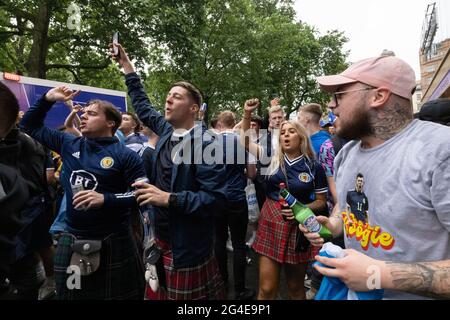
<point x="357" y="127"/>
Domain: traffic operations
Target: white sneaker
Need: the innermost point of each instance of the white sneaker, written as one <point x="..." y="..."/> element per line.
<point x="48" y="289"/>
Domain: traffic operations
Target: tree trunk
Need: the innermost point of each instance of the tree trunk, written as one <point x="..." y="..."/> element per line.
<point x="38" y="54"/>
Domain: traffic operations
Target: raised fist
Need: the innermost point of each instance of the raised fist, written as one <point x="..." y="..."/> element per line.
<point x="251" y="104"/>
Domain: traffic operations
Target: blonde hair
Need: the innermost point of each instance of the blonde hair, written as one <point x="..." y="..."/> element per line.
<point x="275" y="109"/>
<point x="305" y="147"/>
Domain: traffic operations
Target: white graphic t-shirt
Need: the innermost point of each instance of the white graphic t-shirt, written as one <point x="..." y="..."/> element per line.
<point x="395" y="198"/>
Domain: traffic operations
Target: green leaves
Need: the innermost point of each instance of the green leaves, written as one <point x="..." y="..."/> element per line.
<point x="231" y="49"/>
<point x="241" y="49"/>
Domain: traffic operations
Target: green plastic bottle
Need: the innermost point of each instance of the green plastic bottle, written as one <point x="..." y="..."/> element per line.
<point x="304" y="215"/>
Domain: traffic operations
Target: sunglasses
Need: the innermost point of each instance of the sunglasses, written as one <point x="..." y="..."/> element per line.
<point x="336" y="95"/>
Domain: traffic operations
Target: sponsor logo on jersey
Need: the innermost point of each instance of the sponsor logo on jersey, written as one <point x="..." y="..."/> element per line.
<point x="76" y="154"/>
<point x="107" y="162"/>
<point x="304" y="177"/>
<point x="83" y="178"/>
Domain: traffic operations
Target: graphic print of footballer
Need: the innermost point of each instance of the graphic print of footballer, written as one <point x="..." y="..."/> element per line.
<point x="357" y="202"/>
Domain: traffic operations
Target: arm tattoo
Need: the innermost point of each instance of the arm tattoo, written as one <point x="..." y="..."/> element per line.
<point x="430" y="279"/>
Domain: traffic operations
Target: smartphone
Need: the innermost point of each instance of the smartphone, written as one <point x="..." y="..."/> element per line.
<point x="115" y="41"/>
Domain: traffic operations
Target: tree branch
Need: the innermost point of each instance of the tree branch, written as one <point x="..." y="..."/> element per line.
<point x="10" y="33"/>
<point x="65" y="66"/>
<point x="75" y="75"/>
<point x="17" y="12"/>
<point x="12" y="57"/>
<point x="58" y="38"/>
<point x="12" y="26"/>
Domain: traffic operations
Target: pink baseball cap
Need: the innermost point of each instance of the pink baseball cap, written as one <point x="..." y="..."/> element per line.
<point x="384" y="71"/>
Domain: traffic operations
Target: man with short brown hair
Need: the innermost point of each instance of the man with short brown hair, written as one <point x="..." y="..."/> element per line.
<point x="309" y="116"/>
<point x="184" y="194"/>
<point x="234" y="213"/>
<point x="97" y="176"/>
<point x="226" y="120"/>
<point x="131" y="127"/>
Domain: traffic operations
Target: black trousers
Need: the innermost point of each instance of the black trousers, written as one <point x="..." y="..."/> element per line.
<point x="261" y="191"/>
<point x="234" y="217"/>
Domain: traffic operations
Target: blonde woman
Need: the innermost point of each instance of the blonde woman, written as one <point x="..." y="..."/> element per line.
<point x="276" y="239"/>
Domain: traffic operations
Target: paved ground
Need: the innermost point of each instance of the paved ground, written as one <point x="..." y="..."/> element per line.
<point x="252" y="276"/>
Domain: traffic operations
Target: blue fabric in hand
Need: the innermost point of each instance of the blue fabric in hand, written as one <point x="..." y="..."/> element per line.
<point x="333" y="288"/>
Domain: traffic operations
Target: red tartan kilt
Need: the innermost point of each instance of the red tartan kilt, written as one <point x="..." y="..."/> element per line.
<point x="275" y="238"/>
<point x="200" y="282"/>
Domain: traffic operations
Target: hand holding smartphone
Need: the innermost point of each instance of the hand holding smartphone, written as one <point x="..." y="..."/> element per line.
<point x="115" y="41"/>
<point x="119" y="55"/>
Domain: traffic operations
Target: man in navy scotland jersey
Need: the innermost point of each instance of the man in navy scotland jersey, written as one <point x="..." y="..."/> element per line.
<point x="357" y="202"/>
<point x="233" y="215"/>
<point x="103" y="169"/>
<point x="131" y="128"/>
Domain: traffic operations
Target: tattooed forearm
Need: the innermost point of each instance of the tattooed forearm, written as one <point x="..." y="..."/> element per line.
<point x="430" y="279"/>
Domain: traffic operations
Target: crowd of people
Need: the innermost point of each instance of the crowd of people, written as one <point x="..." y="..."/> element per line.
<point x="140" y="205"/>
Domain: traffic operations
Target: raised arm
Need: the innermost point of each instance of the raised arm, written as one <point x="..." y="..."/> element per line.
<point x="71" y="118"/>
<point x="149" y="116"/>
<point x="75" y="118"/>
<point x="33" y="120"/>
<point x="250" y="146"/>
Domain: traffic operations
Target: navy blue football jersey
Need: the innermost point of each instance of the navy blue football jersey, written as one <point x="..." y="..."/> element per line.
<point x="235" y="159"/>
<point x="103" y="165"/>
<point x="359" y="204"/>
<point x="304" y="179"/>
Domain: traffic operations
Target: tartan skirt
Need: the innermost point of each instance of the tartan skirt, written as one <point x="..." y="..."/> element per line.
<point x="199" y="282"/>
<point x="276" y="238"/>
<point x="120" y="275"/>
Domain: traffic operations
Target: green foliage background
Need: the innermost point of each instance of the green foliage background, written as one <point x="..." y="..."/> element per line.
<point x="232" y="50"/>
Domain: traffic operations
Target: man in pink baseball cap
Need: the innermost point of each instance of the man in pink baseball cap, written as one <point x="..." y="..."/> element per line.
<point x="385" y="77"/>
<point x="384" y="71"/>
<point x="402" y="244"/>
